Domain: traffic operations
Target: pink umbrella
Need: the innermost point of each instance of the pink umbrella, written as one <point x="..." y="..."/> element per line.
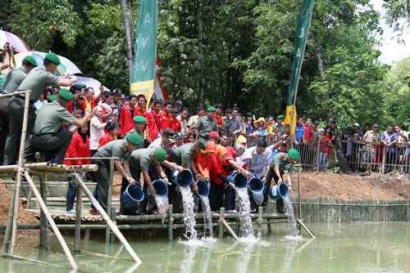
<point x="17" y="43"/>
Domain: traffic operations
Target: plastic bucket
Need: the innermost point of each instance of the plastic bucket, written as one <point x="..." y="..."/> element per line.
<point x="161" y="187"/>
<point x="239" y="180"/>
<point x="203" y="189"/>
<point x="256" y="187"/>
<point x="132" y="195"/>
<point x="279" y="191"/>
<point x="184" y="178"/>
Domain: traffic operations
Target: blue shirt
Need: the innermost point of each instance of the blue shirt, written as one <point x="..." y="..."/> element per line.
<point x="299" y="133"/>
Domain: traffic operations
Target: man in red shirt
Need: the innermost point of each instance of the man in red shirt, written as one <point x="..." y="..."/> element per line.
<point x="175" y="124"/>
<point x="218" y="117"/>
<point x="166" y="118"/>
<point x="126" y="114"/>
<point x="141" y="107"/>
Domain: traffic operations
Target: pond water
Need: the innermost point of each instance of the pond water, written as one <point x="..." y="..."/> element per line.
<point x="354" y="247"/>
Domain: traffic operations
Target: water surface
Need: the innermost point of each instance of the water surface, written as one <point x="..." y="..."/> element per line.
<point x="355" y="247"/>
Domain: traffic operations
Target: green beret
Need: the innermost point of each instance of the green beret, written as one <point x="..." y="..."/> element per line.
<point x="135" y="139"/>
<point x="52" y="98"/>
<point x="160" y="154"/>
<point x="139" y="119"/>
<point x="65" y="95"/>
<point x="294" y="154"/>
<point x="53" y="58"/>
<point x="210" y="109"/>
<point x="281" y="117"/>
<point x="30" y="60"/>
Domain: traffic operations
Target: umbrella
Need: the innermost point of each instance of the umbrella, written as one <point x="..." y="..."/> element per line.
<point x="90" y="82"/>
<point x="66" y="66"/>
<point x="15" y="41"/>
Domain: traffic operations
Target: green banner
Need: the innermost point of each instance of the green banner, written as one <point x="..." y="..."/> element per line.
<point x="300" y="43"/>
<point x="143" y="76"/>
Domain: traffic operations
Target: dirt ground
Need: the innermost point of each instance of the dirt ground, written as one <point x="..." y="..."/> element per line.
<point x="388" y="187"/>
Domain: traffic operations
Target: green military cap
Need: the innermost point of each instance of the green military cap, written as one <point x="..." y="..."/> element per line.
<point x="210" y="109"/>
<point x="52" y="98"/>
<point x="65" y="95"/>
<point x="294" y="154"/>
<point x="160" y="154"/>
<point x="53" y="58"/>
<point x="30" y="60"/>
<point x="135" y="139"/>
<point x="281" y="117"/>
<point x="139" y="119"/>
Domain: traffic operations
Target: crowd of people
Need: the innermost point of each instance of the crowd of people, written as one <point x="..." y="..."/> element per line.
<point x="152" y="141"/>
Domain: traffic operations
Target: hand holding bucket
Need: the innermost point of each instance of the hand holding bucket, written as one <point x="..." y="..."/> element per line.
<point x="132" y="195"/>
<point x="279" y="191"/>
<point x="203" y="188"/>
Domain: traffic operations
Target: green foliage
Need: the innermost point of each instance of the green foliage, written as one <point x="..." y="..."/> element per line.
<point x="38" y="22"/>
<point x="233" y="52"/>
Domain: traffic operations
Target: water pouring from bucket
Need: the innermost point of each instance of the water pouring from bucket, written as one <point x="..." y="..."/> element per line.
<point x="132" y="196"/>
<point x="256" y="188"/>
<point x="203" y="192"/>
<point x="161" y="197"/>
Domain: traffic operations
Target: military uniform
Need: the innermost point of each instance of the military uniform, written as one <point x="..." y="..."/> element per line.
<point x="36" y="81"/>
<point x="205" y="125"/>
<point x="182" y="155"/>
<point x="116" y="148"/>
<point x="49" y="135"/>
<point x="140" y="160"/>
<point x="13" y="80"/>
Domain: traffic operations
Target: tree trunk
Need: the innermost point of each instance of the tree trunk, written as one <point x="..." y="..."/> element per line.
<point x="128" y="34"/>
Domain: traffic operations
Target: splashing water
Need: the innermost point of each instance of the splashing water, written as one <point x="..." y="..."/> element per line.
<point x="188" y="262"/>
<point x="162" y="205"/>
<point x="189" y="216"/>
<point x="244" y="209"/>
<point x="291" y="214"/>
<point x="207" y="215"/>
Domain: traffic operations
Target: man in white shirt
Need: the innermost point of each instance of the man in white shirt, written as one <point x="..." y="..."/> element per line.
<point x="256" y="159"/>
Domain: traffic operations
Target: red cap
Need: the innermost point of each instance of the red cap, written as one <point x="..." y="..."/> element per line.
<point x="214" y="134"/>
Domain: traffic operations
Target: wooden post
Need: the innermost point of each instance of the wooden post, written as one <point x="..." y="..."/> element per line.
<point x="78" y="213"/>
<point x="170" y="223"/>
<point x="51" y="221"/>
<point x="108" y="220"/>
<point x="16" y="196"/>
<point x="108" y="233"/>
<point x="260" y="219"/>
<point x="299" y="203"/>
<point x="221" y="220"/>
<point x="306" y="228"/>
<point x="44" y="236"/>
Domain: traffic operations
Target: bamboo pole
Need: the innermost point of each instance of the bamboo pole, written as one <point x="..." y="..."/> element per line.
<point x="108" y="232"/>
<point x="51" y="221"/>
<point x="14" y="93"/>
<point x="19" y="175"/>
<point x="311" y="234"/>
<point x="44" y="236"/>
<point x="170" y="223"/>
<point x="78" y="210"/>
<point x="221" y="219"/>
<point x="228" y="227"/>
<point x="50" y="167"/>
<point x="108" y="220"/>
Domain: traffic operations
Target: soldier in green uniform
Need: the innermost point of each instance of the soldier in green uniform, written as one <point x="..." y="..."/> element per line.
<point x="140" y="163"/>
<point x="36" y="81"/>
<point x="121" y="149"/>
<point x="280" y="166"/>
<point x="13" y="80"/>
<point x="206" y="124"/>
<point x="49" y="134"/>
